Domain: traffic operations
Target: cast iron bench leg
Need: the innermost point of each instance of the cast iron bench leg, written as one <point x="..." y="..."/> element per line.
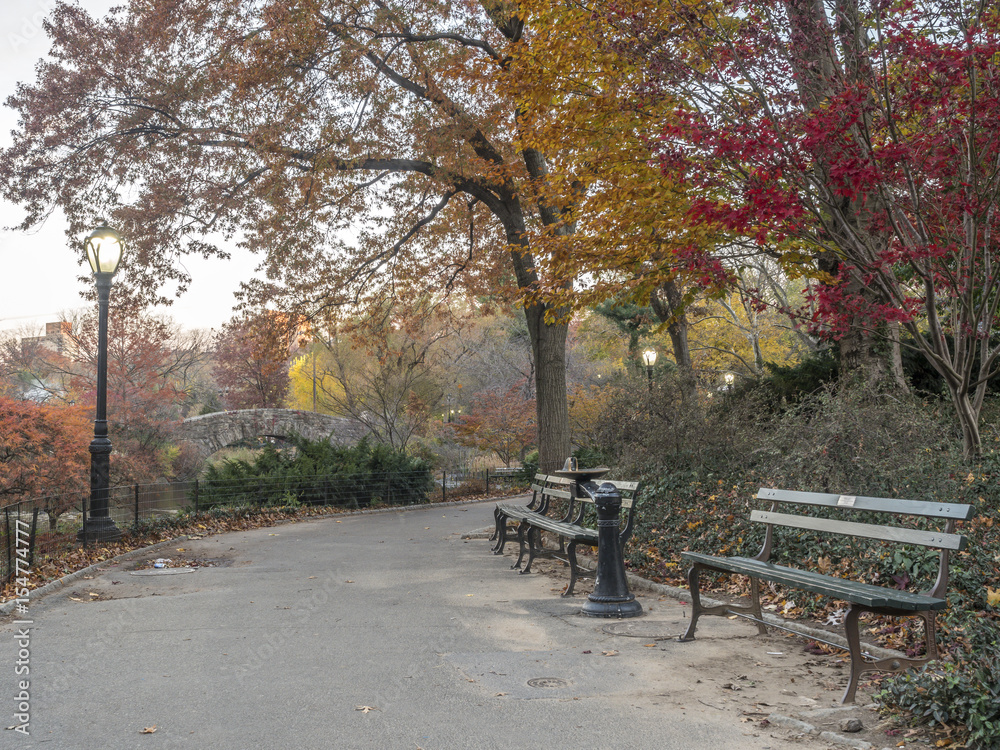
<point x="930" y="632"/>
<point x="533" y="535"/>
<point x="521" y="527"/>
<point x="859" y="665"/>
<point x="496" y="523"/>
<point x="500" y="533"/>
<point x="854" y="647"/>
<point x="573" y="568"/>
<point x="755" y="606"/>
<point x="695" y="602"/>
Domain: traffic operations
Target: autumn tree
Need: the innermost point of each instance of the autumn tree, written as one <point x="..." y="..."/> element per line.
<point x="282" y="124"/>
<point x="583" y="107"/>
<point x="853" y="141"/>
<point x="491" y="350"/>
<point x="252" y="356"/>
<point x="499" y="422"/>
<point x="384" y="370"/>
<point x="43" y="453"/>
<point x="144" y="388"/>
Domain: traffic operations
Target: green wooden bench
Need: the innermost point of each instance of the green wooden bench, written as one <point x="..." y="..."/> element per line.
<point x="544" y="489"/>
<point x="862" y="597"/>
<point x="573" y="530"/>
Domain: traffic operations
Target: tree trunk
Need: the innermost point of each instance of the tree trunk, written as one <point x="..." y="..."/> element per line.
<point x="667" y="304"/>
<point x="968" y="420"/>
<point x="548" y="348"/>
<point x="896" y="358"/>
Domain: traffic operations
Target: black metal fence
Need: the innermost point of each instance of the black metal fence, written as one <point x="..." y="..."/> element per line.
<point x="36" y="529"/>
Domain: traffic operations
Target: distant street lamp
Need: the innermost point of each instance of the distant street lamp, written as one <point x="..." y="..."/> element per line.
<point x="649" y="358"/>
<point x="729" y="378"/>
<point x="104" y="251"/>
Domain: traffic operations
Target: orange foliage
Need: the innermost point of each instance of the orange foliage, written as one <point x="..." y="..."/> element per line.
<point x="43" y="450"/>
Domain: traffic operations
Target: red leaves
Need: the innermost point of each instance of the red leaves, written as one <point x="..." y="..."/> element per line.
<point x="43" y="448"/>
<point x="503" y="423"/>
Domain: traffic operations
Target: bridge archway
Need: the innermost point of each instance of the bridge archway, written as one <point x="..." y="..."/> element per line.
<point x="213" y="432"/>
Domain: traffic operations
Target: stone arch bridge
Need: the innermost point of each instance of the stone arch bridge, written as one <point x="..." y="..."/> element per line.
<point x="212" y="432"/>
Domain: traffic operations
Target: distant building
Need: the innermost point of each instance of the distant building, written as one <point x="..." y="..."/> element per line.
<point x="58" y="338"/>
<point x="45" y="376"/>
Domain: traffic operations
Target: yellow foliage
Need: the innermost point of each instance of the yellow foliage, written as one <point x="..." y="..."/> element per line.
<point x="303" y="376"/>
<point x="729" y="335"/>
<point x="580" y="108"/>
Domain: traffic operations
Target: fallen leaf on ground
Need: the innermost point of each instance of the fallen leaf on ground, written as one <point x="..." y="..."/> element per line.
<point x="610" y="653"/>
<point x="365" y="709"/>
<point x="148" y="730"/>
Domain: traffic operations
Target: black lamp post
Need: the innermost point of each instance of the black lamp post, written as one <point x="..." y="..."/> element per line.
<point x="104" y="251"/>
<point x="649" y="358"/>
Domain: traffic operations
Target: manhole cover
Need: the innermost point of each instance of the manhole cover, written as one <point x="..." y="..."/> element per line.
<point x="548" y="682"/>
<point x="162" y="571"/>
<point x="644" y="629"/>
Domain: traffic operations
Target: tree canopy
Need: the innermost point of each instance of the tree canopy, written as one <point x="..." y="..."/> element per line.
<point x="367" y="151"/>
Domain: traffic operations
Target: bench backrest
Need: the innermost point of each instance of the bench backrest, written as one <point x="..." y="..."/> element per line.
<point x="545" y="488"/>
<point x="944" y="540"/>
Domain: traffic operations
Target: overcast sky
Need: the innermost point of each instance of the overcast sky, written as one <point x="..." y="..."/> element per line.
<point x="39" y="270"/>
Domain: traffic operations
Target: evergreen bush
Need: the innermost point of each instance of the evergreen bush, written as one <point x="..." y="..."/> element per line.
<point x="316" y="472"/>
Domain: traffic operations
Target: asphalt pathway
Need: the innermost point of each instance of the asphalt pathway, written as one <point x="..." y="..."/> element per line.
<point x="367" y="631"/>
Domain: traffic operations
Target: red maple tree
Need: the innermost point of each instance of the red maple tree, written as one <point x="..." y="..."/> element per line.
<point x="857" y="143"/>
<point x="43" y="453"/>
<point x="501" y="422"/>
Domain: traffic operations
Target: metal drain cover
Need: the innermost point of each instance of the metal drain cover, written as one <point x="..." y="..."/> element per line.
<point x="548" y="682"/>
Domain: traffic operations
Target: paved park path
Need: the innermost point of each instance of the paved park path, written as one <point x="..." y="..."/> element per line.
<point x="368" y="631"/>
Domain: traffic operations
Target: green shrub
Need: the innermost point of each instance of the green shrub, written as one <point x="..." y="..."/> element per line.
<point x="963" y="690"/>
<point x="316" y="472"/>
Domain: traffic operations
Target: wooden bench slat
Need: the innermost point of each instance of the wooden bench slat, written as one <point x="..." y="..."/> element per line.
<point x="563" y="494"/>
<point x="564" y="481"/>
<point x="818" y="583"/>
<point x="957" y="511"/>
<point x="570" y="531"/>
<point x="936" y="539"/>
<point x="623" y="486"/>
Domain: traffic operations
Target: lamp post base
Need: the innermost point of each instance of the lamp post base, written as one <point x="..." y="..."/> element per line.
<point x="611" y="606"/>
<point x="98" y="529"/>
